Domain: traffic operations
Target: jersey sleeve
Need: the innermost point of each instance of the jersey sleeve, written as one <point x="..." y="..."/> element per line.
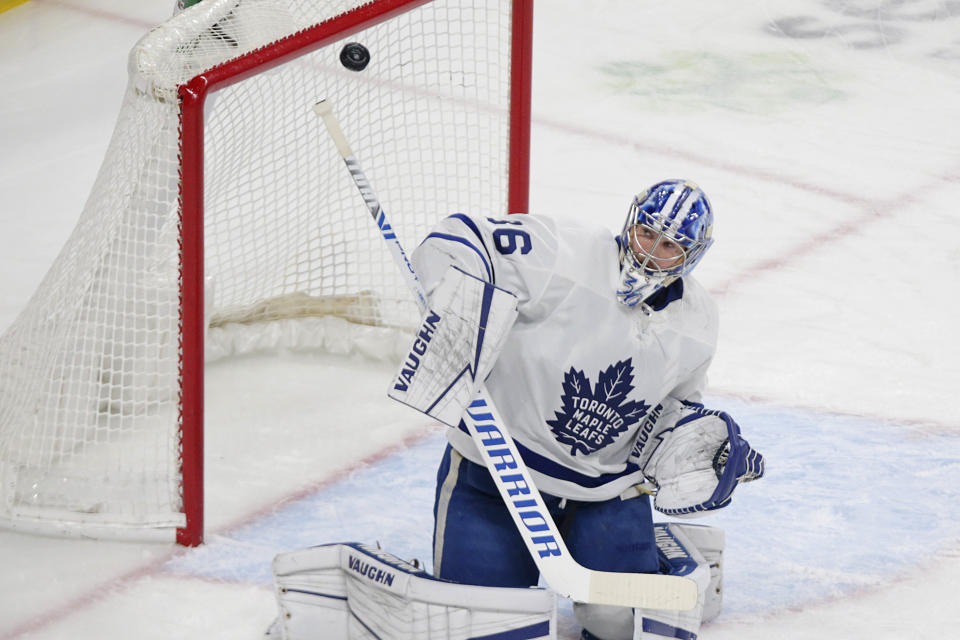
<point x="515" y="253"/>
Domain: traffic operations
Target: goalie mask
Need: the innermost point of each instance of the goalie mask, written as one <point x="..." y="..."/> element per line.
<point x="667" y="230"/>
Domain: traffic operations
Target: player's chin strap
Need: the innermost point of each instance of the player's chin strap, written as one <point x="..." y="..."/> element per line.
<point x="530" y="515"/>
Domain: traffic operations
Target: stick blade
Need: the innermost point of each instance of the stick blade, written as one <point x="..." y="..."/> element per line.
<point x="645" y="590"/>
<point x="568" y="579"/>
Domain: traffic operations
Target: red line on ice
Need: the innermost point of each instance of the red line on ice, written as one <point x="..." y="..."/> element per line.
<point x="99" y="592"/>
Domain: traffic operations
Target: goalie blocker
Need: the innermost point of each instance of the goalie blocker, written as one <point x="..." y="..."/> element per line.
<point x="461" y="335"/>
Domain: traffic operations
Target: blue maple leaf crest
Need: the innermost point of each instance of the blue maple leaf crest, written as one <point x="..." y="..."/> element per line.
<point x="591" y="419"/>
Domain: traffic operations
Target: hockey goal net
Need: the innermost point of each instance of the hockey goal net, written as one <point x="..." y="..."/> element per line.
<point x="222" y="212"/>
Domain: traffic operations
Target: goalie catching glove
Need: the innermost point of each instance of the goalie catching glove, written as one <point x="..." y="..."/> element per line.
<point x="699" y="461"/>
<point x="461" y="335"/>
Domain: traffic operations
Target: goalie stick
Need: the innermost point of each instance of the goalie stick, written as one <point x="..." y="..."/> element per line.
<point x="560" y="571"/>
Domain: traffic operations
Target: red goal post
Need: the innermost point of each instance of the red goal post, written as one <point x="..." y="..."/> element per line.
<point x="218" y="208"/>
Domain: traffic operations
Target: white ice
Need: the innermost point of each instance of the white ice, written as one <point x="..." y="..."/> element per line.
<point x="825" y="134"/>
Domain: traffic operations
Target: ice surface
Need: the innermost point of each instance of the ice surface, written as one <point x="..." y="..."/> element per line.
<point x="825" y="134"/>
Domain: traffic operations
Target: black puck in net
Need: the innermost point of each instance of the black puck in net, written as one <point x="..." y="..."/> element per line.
<point x="354" y="56"/>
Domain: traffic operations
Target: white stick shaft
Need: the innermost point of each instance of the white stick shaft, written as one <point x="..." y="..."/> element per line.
<point x="324" y="110"/>
<point x="530" y="515"/>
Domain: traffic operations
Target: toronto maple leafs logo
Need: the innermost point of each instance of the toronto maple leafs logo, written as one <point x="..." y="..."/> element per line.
<point x="591" y="419"/>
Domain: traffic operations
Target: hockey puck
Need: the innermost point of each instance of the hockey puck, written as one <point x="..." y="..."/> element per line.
<point x="354" y="56"/>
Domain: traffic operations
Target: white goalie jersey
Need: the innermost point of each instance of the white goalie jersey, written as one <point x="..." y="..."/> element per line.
<point x="581" y="378"/>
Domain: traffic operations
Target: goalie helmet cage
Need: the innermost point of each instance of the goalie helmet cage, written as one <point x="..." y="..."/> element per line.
<point x="221" y="204"/>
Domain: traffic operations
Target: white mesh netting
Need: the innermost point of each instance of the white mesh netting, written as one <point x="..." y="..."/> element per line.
<point x="89" y="372"/>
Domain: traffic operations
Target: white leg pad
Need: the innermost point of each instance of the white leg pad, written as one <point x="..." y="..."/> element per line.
<point x="710" y="542"/>
<point x="354" y="592"/>
<point x="686" y="559"/>
<point x="680" y="545"/>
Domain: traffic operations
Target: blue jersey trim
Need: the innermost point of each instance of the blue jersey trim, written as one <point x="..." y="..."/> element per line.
<point x="465" y="219"/>
<point x="467" y="243"/>
<point x="548" y="467"/>
<point x="666" y="295"/>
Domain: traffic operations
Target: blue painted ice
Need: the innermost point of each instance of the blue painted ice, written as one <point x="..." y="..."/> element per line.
<point x="838" y="510"/>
